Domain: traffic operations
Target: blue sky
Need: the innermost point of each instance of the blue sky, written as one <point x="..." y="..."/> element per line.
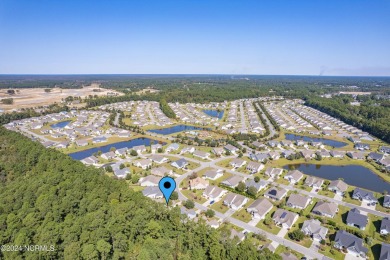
<point x="329" y="37"/>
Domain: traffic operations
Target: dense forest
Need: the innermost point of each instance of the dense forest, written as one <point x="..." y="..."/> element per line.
<point x="372" y="115"/>
<point x="49" y="199"/>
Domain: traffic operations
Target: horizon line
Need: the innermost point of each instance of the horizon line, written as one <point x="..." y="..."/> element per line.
<point x="185" y="74"/>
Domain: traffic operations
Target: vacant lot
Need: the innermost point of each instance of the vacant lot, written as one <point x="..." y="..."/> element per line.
<point x="34" y="97"/>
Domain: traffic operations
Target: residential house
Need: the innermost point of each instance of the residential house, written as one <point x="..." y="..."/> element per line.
<point x="356" y="155"/>
<point x="236" y="235"/>
<point x="254" y="167"/>
<point x="293" y="176"/>
<point x="364" y="195"/>
<point x="235" y="201"/>
<point x="376" y="156"/>
<point x="108" y="156"/>
<point x="121" y="151"/>
<point x="327" y="209"/>
<point x="314" y="182"/>
<point x="218" y="151"/>
<point x="385" y="252"/>
<point x="139" y="149"/>
<point x="237" y="162"/>
<point x="385" y="226"/>
<point x="337" y="154"/>
<point x="287" y="153"/>
<point x="213" y="192"/>
<point x="286" y="143"/>
<point x="298" y="201"/>
<point x="158" y="159"/>
<point x="99" y="139"/>
<point x="386" y="201"/>
<point x="213" y="223"/>
<point x="362" y="146"/>
<point x="284" y="218"/>
<point x="161" y="171"/>
<point x="323" y="154"/>
<point x="232" y="181"/>
<point x="154" y="147"/>
<point x="149" y="180"/>
<point x="257" y="185"/>
<point x="308" y="154"/>
<point x="273" y="172"/>
<point x="314" y="229"/>
<point x="384" y="149"/>
<point x="338" y="186"/>
<point x="188" y="149"/>
<point x="81" y="143"/>
<point x="273" y="143"/>
<point x="190" y="213"/>
<point x="275" y="193"/>
<point x="385" y="162"/>
<point x="258" y="145"/>
<point x="143" y="163"/>
<point x="230" y="148"/>
<point x="259" y="157"/>
<point x="274" y="155"/>
<point x="63" y="144"/>
<point x="351" y="243"/>
<point x="356" y="219"/>
<point x="91" y="160"/>
<point x="213" y="174"/>
<point x="198" y="184"/>
<point x="172" y="147"/>
<point x="300" y="143"/>
<point x="201" y="154"/>
<point x="121" y="173"/>
<point x="259" y="208"/>
<point x="180" y="164"/>
<point x="152" y="192"/>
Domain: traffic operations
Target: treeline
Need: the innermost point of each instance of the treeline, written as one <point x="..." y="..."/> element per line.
<point x="369" y="118"/>
<point x="166" y="109"/>
<point x="49" y="199"/>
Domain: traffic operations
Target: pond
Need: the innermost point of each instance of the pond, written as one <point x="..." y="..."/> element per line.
<point x="61" y="124"/>
<point x="176" y="129"/>
<point x="213" y="113"/>
<point x="129" y="144"/>
<point x="336" y="144"/>
<point x="355" y="175"/>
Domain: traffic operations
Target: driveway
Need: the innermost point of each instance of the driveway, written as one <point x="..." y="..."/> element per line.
<point x="282" y="232"/>
<point x="338" y="197"/>
<point x="365" y="205"/>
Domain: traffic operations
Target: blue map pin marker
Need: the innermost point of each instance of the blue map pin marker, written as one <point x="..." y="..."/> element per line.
<point x="167" y="185"/>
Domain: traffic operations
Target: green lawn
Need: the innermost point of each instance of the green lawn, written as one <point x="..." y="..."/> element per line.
<point x="195" y="196"/>
<point x="282" y="249"/>
<point x="348" y="196"/>
<point x="326" y="193"/>
<point x="242" y="215"/>
<point x="272" y="228"/>
<point x="218" y="206"/>
<point x="307" y="241"/>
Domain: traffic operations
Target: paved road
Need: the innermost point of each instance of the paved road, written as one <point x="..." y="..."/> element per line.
<point x="91" y="121"/>
<point x="151" y="116"/>
<point x="25" y="130"/>
<point x="116" y="120"/>
<point x="271" y="128"/>
<point x="243" y="124"/>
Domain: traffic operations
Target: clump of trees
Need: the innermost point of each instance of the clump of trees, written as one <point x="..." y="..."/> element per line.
<point x="7" y="101"/>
